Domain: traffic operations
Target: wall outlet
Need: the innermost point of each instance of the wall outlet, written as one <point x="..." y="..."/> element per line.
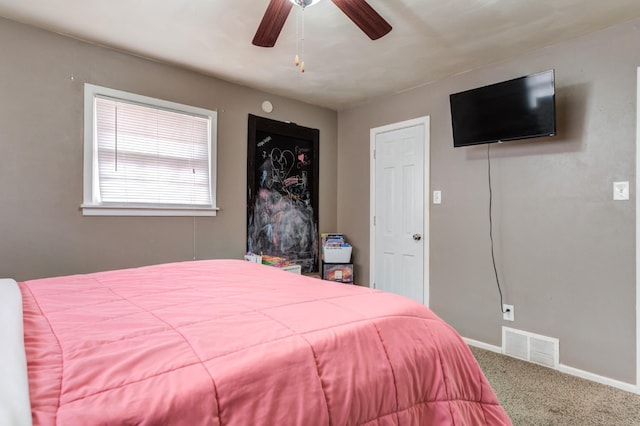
<point x="508" y="313"/>
<point x="621" y="190"/>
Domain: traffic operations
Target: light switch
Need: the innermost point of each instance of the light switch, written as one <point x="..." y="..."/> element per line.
<point x="437" y="197"/>
<point x="621" y="191"/>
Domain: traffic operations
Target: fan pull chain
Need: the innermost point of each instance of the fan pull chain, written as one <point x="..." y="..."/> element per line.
<point x="302" y="42"/>
<point x="297" y="58"/>
<point x="299" y="40"/>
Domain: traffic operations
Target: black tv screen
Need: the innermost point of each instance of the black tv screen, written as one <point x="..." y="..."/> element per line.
<point x="515" y="109"/>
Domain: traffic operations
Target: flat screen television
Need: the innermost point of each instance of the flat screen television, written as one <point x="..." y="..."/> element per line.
<point x="510" y="110"/>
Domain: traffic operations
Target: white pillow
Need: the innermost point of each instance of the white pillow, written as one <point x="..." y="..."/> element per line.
<point x="15" y="408"/>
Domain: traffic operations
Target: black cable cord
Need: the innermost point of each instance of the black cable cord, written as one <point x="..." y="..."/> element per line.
<point x="493" y="257"/>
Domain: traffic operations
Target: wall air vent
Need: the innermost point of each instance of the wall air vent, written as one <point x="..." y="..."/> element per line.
<point x="532" y="347"/>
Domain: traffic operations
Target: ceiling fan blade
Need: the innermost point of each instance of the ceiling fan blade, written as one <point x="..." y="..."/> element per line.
<point x="272" y="23"/>
<point x="365" y="17"/>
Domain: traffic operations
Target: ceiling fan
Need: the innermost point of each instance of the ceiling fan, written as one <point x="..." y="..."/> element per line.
<point x="359" y="11"/>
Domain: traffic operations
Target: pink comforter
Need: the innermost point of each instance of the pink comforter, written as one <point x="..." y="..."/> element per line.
<point x="227" y="342"/>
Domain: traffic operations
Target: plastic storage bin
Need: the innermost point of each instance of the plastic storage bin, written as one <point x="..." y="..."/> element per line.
<point x="338" y="272"/>
<point x="336" y="254"/>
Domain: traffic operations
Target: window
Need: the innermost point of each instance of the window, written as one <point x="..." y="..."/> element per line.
<point x="147" y="157"/>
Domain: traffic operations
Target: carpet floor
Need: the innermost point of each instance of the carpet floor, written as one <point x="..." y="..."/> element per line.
<point x="534" y="395"/>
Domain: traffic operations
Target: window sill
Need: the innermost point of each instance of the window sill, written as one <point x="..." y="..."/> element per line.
<point x="123" y="210"/>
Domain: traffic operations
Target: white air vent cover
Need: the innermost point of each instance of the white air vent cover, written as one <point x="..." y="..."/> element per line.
<point x="530" y="347"/>
<point x="515" y="343"/>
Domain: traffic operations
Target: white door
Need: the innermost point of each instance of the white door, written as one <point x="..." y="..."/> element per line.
<point x="400" y="226"/>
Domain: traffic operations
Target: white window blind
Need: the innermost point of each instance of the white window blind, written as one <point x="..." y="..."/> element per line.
<point x="148" y="156"/>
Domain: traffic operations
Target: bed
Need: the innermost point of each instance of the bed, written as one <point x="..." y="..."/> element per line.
<point x="229" y="342"/>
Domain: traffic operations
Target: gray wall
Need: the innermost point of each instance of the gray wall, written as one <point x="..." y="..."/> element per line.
<point x="565" y="251"/>
<point x="42" y="230"/>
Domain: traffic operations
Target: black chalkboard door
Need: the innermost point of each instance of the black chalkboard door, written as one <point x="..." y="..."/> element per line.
<point x="282" y="191"/>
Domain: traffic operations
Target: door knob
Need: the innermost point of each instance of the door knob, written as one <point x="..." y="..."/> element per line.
<point x="417" y="237"/>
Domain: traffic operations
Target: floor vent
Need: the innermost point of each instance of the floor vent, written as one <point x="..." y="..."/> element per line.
<point x="530" y="347"/>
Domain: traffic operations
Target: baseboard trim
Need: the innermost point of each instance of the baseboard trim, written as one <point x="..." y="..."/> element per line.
<point x="482" y="345"/>
<point x="628" y="387"/>
<point x="597" y="378"/>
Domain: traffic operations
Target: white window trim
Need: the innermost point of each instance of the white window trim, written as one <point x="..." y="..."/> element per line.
<point x="92" y="208"/>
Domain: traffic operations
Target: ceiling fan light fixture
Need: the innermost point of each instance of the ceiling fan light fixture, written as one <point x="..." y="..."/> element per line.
<point x="359" y="11"/>
<point x="304" y="3"/>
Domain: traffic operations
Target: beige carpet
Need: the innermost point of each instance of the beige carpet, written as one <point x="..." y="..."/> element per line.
<point x="536" y="395"/>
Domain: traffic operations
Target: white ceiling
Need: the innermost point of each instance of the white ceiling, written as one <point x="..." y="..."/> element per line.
<point x="431" y="39"/>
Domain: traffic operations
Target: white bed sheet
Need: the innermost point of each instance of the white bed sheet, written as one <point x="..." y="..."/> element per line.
<point x="15" y="407"/>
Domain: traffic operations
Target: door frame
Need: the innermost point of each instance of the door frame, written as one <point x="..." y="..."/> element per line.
<point x="637" y="233"/>
<point x="374" y="132"/>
